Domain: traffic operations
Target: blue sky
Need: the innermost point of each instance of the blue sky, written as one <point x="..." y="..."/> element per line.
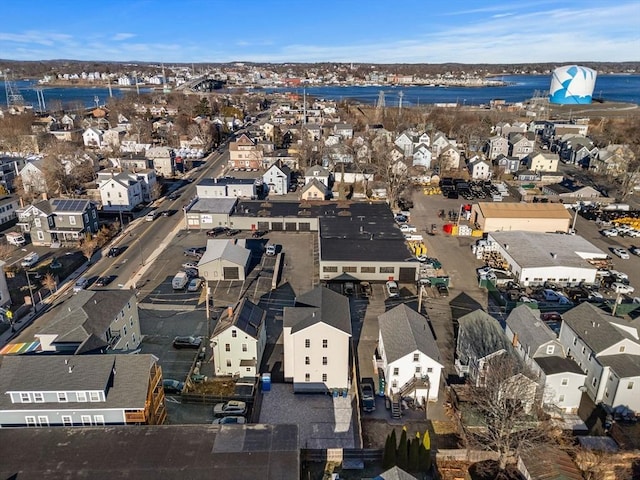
<point x="375" y="31"/>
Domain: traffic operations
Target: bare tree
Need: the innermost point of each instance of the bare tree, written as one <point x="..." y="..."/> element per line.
<point x="5" y="251"/>
<point x="88" y="247"/>
<point x="506" y="407"/>
<point x="49" y="281"/>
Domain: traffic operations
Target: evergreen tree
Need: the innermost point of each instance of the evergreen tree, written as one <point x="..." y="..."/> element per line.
<point x="424" y="463"/>
<point x="414" y="453"/>
<point x="403" y="451"/>
<point x="389" y="456"/>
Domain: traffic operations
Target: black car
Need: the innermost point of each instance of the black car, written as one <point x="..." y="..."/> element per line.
<point x="215" y="231"/>
<point x="259" y="233"/>
<point x="232" y="232"/>
<point x="172" y="386"/>
<point x="194" y="252"/>
<point x="173" y="196"/>
<point x="187" y="342"/>
<point x="443" y="290"/>
<point x="104" y="281"/>
<point x="114" y="252"/>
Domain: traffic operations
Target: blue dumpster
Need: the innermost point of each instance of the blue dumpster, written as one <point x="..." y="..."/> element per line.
<point x="266" y="382"/>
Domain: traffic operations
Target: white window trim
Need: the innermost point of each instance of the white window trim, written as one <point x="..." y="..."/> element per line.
<point x="38" y="397"/>
<point x="67" y="421"/>
<point x="25" y="397"/>
<point x="98" y="419"/>
<point x="30" y="420"/>
<point x="95" y="397"/>
<point x="62" y="397"/>
<point x="81" y="396"/>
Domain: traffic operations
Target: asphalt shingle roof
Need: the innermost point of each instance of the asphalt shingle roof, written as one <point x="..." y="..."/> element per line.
<point x="531" y="331"/>
<point x="319" y="305"/>
<point x="554" y="365"/>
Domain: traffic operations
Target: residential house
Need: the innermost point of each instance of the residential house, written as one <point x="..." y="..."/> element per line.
<point x="313" y="132"/>
<point x="224" y="260"/>
<point x="345" y="130"/>
<point x="613" y="158"/>
<point x="239" y="340"/>
<point x="93" y="137"/>
<point x="449" y="158"/>
<point x="506" y="164"/>
<point x="9" y="205"/>
<point x="317" y="340"/>
<point x="50" y="222"/>
<point x="33" y="178"/>
<point x="163" y="160"/>
<point x="496" y="146"/>
<point x="607" y="350"/>
<point x="542" y="162"/>
<point x="422" y="156"/>
<point x="113" y="137"/>
<point x="410" y="357"/>
<point x="479" y="168"/>
<point x="354" y="173"/>
<point x="439" y="143"/>
<point x="504" y="129"/>
<point x="405" y="143"/>
<point x="521" y="144"/>
<point x="314" y="190"/>
<point x="119" y="191"/>
<point x="277" y="179"/>
<point x="568" y="192"/>
<point x="319" y="173"/>
<point x="9" y="169"/>
<point x="395" y="473"/>
<point x="542" y="352"/>
<point x="90" y="322"/>
<point x="245" y="153"/>
<point x="269" y="130"/>
<point x="576" y="149"/>
<point x="81" y="390"/>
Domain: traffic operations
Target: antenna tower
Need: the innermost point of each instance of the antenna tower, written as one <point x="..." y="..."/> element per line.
<point x="400" y="95"/>
<point x="14" y="97"/>
<point x="380" y="103"/>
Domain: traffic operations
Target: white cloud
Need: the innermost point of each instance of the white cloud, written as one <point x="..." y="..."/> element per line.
<point x="123" y="36"/>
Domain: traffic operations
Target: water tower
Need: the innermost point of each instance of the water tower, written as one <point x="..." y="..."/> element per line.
<point x="572" y="84"/>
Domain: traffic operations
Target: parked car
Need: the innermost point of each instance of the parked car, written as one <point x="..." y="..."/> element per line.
<point x="406" y="228"/>
<point x="550" y="317"/>
<point x="368" y="397"/>
<point x="270" y="250"/>
<point x="232" y="407"/>
<point x="173" y="195"/>
<point x="442" y="290"/>
<point x="80" y="284"/>
<point x="191" y="265"/>
<point x="151" y="216"/>
<point x="400" y="218"/>
<point x="187" y="342"/>
<point x="392" y="289"/>
<point x="114" y="251"/>
<point x="259" y="233"/>
<point x="172" y="386"/>
<point x="194" y="284"/>
<point x="30" y="260"/>
<point x="194" y="252"/>
<point x="635" y="250"/>
<point x="215" y="231"/>
<point x="231" y="420"/>
<point x="621" y="252"/>
<point x="232" y="232"/>
<point x="618" y="287"/>
<point x="191" y="273"/>
<point x="104" y="281"/>
<point x="612" y="232"/>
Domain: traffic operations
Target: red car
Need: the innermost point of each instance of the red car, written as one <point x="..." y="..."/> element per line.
<point x="550" y="317"/>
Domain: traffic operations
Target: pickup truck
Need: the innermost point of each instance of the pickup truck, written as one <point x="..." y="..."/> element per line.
<point x="368" y="398"/>
<point x="16" y="238"/>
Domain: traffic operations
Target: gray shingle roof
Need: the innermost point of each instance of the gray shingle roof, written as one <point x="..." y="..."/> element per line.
<point x="554" y="365"/>
<point x="624" y="365"/>
<point x="319" y="305"/>
<point x="404" y="331"/>
<point x="594" y="327"/>
<point x="531" y="331"/>
<point x="483" y="333"/>
<point x="227" y="250"/>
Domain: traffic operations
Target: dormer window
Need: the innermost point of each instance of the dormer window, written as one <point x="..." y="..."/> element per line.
<point x="25" y="397"/>
<point x="62" y="397"/>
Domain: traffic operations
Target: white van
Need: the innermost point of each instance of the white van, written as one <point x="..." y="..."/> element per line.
<point x="16" y="238"/>
<point x="180" y="281"/>
<point x="151" y="216"/>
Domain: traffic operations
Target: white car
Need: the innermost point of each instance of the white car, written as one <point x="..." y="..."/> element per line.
<point x="635" y="250"/>
<point x="392" y="289"/>
<point x="30" y="260"/>
<point x="270" y="250"/>
<point x="194" y="284"/>
<point x="80" y="284"/>
<point x="621" y="252"/>
<point x="612" y="232"/>
<point x="618" y="287"/>
<point x="406" y="228"/>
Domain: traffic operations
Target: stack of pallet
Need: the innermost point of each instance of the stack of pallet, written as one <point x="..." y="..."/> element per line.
<point x="495" y="260"/>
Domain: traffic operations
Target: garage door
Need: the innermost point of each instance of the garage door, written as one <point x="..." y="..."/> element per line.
<point x="263" y="225"/>
<point x="304" y="227"/>
<point x="231" y="273"/>
<point x="291" y="226"/>
<point x="276" y="226"/>
<point x="407" y="275"/>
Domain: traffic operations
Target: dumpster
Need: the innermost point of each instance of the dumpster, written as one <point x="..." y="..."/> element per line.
<point x="266" y="382"/>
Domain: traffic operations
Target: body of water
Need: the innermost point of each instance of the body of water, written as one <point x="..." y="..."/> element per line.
<point x="612" y="88"/>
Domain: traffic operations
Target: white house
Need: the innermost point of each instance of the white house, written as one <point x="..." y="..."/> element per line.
<point x="405" y="143"/>
<point x="563" y="381"/>
<point x="93" y="137"/>
<point x="410" y="355"/>
<point x="239" y="339"/>
<point x="607" y="350"/>
<point x="319" y="173"/>
<point x="277" y="179"/>
<point x="317" y="336"/>
<point x="32" y="175"/>
<point x="479" y="169"/>
<point x="422" y="156"/>
<point x="119" y="192"/>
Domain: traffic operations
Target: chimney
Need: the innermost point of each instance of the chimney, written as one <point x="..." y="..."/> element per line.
<point x="230" y="311"/>
<point x="21" y="203"/>
<point x="70" y="369"/>
<point x="66" y="361"/>
<point x="44" y="196"/>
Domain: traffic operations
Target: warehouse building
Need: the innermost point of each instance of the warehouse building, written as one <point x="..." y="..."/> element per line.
<point x="536" y="258"/>
<point x="528" y="217"/>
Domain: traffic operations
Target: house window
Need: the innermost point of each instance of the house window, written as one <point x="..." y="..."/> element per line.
<point x="575" y="340"/>
<point x="307" y="343"/>
<point x="565" y="381"/>
<point x="124" y="330"/>
<point x="621" y="349"/>
<point x="307" y="377"/>
<point x="324" y="377"/>
<point x="583" y="350"/>
<point x="81" y="396"/>
<point x="561" y="398"/>
<point x="31" y="421"/>
<point x="594" y="381"/>
<point x="227" y="347"/>
<point x="325" y="343"/>
<point x="98" y="419"/>
<point x="394" y="384"/>
<point x="396" y="370"/>
<point x="234" y="333"/>
<point x="418" y="369"/>
<point x="40" y="235"/>
<point x="133" y="338"/>
<point x="38" y="397"/>
<point x="387" y="270"/>
<point x="244" y="347"/>
<point x="429" y="370"/>
<point x="94" y="396"/>
<point x="416" y="357"/>
<point x="72" y="220"/>
<point x="43" y="420"/>
<point x="307" y="360"/>
<point x="62" y="397"/>
<point x="228" y="363"/>
<point x="37" y="222"/>
<point x="25" y="397"/>
<point x="550" y="349"/>
<point x="630" y="386"/>
<point x="66" y="421"/>
<point x="85" y="419"/>
<point x="324" y="360"/>
<point x="131" y="321"/>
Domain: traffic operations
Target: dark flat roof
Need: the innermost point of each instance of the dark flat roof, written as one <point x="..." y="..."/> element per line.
<point x="223" y="452"/>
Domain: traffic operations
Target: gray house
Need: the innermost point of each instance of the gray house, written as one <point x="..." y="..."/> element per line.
<point x="61" y="390"/>
<point x="58" y="220"/>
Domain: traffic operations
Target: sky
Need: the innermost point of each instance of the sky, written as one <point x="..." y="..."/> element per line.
<point x="359" y="31"/>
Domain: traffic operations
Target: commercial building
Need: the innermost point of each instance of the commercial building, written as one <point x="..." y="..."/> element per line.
<point x="529" y="217"/>
<point x="224" y="260"/>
